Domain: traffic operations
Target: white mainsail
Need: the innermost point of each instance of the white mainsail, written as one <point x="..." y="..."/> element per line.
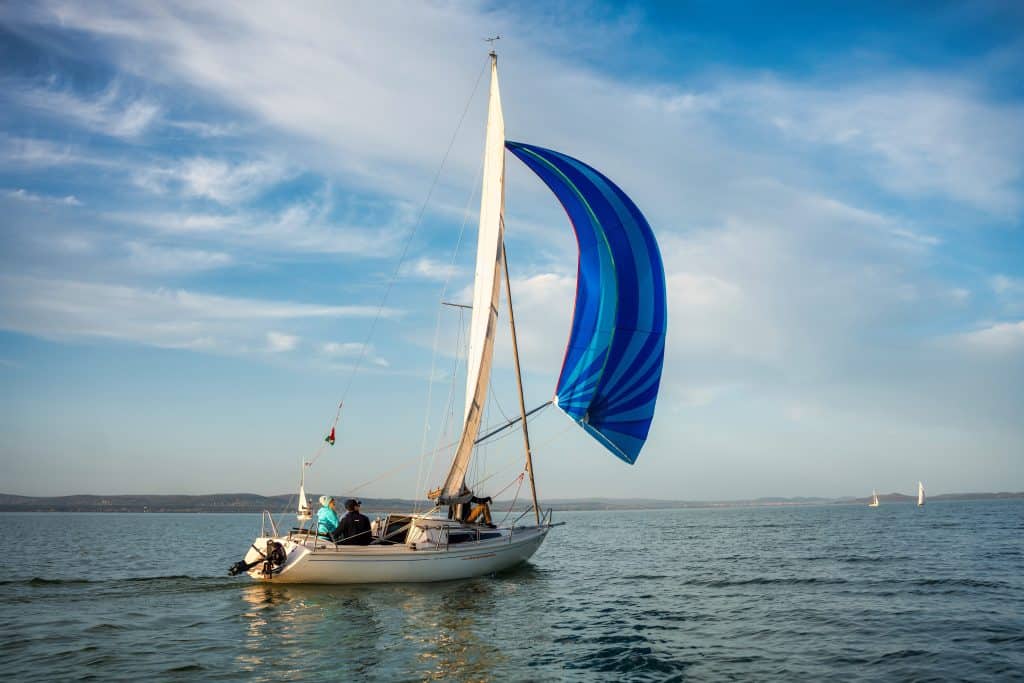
<point x="486" y="286"/>
<point x="920" y="493"/>
<point x="874" y="500"/>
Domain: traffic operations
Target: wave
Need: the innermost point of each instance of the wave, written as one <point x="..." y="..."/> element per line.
<point x="965" y="583"/>
<point x="43" y="581"/>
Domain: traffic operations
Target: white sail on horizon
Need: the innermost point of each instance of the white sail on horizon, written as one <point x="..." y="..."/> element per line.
<point x="920" y="493"/>
<point x="304" y="511"/>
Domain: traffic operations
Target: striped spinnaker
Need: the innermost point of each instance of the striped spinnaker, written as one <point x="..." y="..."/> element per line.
<point x="612" y="368"/>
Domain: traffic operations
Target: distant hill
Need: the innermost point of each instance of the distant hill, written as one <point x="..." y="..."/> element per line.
<point x="251" y="502"/>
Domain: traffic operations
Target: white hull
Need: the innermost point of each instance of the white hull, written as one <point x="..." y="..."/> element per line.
<point x="325" y="563"/>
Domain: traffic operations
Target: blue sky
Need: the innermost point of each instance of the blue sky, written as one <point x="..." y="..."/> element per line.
<point x="203" y="206"/>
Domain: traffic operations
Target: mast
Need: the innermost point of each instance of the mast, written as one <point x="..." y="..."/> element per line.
<point x="486" y="287"/>
<point x="519" y="383"/>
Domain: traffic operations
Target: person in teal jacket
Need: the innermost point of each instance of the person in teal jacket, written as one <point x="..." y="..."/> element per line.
<point x="326" y="516"/>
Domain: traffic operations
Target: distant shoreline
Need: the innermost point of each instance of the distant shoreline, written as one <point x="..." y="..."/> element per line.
<point x="253" y="503"/>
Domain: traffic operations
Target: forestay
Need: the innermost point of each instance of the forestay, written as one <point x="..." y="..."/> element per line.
<point x="612" y="368"/>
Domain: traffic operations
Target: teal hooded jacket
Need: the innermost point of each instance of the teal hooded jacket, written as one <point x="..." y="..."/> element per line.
<point x="326" y="520"/>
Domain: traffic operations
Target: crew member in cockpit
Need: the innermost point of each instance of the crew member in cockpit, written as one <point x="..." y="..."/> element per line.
<point x="326" y="516"/>
<point x="482" y="509"/>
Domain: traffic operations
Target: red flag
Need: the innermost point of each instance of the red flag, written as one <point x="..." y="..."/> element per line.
<point x="330" y="437"/>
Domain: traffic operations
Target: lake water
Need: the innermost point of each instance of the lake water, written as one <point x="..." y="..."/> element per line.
<point x="806" y="593"/>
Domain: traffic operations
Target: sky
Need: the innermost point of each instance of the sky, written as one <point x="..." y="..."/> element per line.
<point x="219" y="220"/>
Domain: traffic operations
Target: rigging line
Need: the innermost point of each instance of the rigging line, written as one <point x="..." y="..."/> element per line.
<point x="388" y="473"/>
<point x="411" y="460"/>
<point x="412" y="234"/>
<point x="437" y="327"/>
<point x="519" y="478"/>
<point x="448" y="420"/>
<point x="324" y="443"/>
<point x="493" y="395"/>
<point x="515" y="498"/>
<point x="536" y="446"/>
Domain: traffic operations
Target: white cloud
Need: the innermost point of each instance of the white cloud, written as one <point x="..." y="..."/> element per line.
<point x="959" y="295"/>
<point x="916" y="135"/>
<point x="157" y="260"/>
<point x="64" y="309"/>
<point x="215" y="179"/>
<point x="109" y="112"/>
<point x="694" y="396"/>
<point x="1004" y="284"/>
<point x="431" y="269"/>
<point x="996" y="338"/>
<point x="278" y="342"/>
<point x="26" y="196"/>
<point x="33" y="152"/>
<point x="300" y="227"/>
<point x="205" y="129"/>
<point x="353" y="351"/>
<point x="342" y="349"/>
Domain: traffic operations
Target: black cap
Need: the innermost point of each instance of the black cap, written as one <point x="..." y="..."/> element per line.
<point x="351" y="503"/>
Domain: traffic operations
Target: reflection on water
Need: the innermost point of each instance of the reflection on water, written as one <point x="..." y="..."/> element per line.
<point x="354" y="626"/>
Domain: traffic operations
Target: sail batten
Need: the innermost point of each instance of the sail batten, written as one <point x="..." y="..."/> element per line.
<point x="612" y="368"/>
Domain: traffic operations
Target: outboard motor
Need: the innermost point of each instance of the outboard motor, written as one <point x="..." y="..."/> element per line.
<point x="275" y="557"/>
<point x="240" y="567"/>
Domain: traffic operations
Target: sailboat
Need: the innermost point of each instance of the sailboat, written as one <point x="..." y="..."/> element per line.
<point x="874" y="500"/>
<point x="920" y="494"/>
<point x="304" y="513"/>
<point x="608" y="383"/>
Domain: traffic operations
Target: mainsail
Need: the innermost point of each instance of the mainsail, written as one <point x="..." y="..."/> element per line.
<point x="485" y="288"/>
<point x="612" y="368"/>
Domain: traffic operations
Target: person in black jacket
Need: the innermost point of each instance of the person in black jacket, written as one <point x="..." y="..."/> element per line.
<point x="354" y="527"/>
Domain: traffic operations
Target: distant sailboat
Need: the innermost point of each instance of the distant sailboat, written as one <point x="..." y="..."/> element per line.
<point x="920" y="494"/>
<point x="304" y="513"/>
<point x="874" y="500"/>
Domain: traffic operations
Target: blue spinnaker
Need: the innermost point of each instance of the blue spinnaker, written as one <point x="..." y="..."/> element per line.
<point x="612" y="368"/>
